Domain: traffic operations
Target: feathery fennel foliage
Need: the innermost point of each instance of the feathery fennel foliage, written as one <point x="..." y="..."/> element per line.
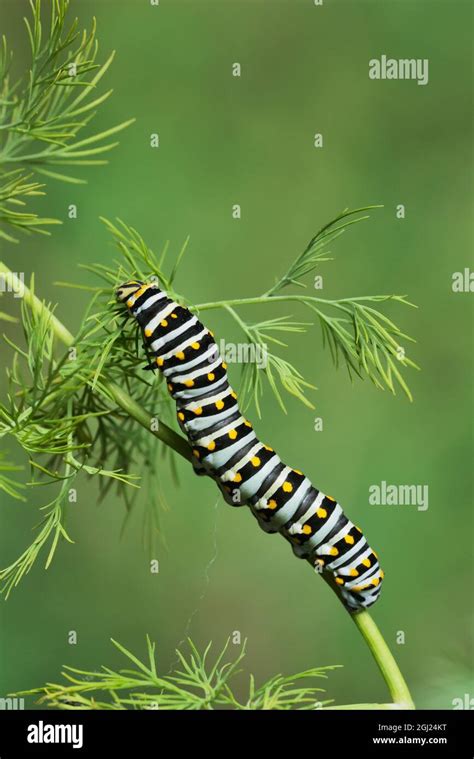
<point x="44" y="114"/>
<point x="10" y="486"/>
<point x="80" y="405"/>
<point x="74" y="411"/>
<point x="196" y="685"/>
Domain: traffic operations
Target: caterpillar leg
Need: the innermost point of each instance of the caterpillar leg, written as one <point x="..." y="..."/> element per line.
<point x="198" y="467"/>
<point x="230" y="495"/>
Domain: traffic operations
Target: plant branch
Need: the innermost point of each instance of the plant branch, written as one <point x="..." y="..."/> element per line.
<point x="385" y="660"/>
<point x="195" y="685"/>
<point x="365" y="624"/>
<point x="114" y="391"/>
<point x="44" y="115"/>
<point x="259" y="299"/>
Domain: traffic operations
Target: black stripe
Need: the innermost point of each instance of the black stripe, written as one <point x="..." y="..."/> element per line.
<point x="341" y="522"/>
<point x="149" y="313"/>
<point x="268" y="482"/>
<point x="190" y="372"/>
<point x="174" y="343"/>
<point x="306" y="502"/>
<point x="236" y="457"/>
<point x="330" y="559"/>
<point x="208" y="394"/>
<point x="189" y="353"/>
<point x="144" y="297"/>
<point x="213" y="427"/>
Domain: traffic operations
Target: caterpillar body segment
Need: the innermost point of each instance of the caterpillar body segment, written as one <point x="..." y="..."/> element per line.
<point x="225" y="447"/>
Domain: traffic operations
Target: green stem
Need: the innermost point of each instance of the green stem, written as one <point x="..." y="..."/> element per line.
<point x="384" y="658"/>
<point x="367" y="627"/>
<point x="261" y="299"/>
<point x="256" y="300"/>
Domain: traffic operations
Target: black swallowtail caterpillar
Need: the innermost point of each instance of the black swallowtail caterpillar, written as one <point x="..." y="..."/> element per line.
<point x="226" y="448"/>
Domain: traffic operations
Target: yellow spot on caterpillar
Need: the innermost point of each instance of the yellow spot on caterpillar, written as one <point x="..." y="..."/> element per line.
<point x="272" y="504"/>
<point x="211" y="376"/>
<point x="357" y="587"/>
<point x="255" y="461"/>
<point x="366" y="562"/>
<point x="233" y="434"/>
<point x="130" y="302"/>
<point x="307" y="529"/>
<point x="211" y="333"/>
<point x="359" y="530"/>
<point x="148" y="332"/>
<point x="248" y="424"/>
<point x="349" y="539"/>
<point x="181" y="416"/>
<point x="219" y="405"/>
<point x="382" y="574"/>
<point x="180" y="355"/>
<point x="354" y="573"/>
<point x="164" y="323"/>
<point x="195" y="346"/>
<point x="287" y="487"/>
<point x="330" y="498"/>
<point x="320" y="562"/>
<point x="267" y="448"/>
<point x="333" y="551"/>
<point x="234" y="395"/>
<point x="375" y="581"/>
<point x="174" y="316"/>
<point x="189" y="383"/>
<point x="339" y="581"/>
<point x="170" y="387"/>
<point x="297" y="471"/>
<point x="196" y="453"/>
<point x="211" y="445"/>
<point x="224" y="365"/>
<point x="321" y="513"/>
<point x="197" y="410"/>
<point x="238" y="477"/>
<point x="160" y="361"/>
<point x="140" y="291"/>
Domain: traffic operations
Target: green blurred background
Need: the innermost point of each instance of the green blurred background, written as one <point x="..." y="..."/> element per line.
<point x="249" y="140"/>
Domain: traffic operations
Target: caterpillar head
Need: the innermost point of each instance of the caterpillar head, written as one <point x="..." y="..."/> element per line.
<point x="127" y="289"/>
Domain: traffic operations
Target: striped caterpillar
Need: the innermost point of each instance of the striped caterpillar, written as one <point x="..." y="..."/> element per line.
<point x="226" y="448"/>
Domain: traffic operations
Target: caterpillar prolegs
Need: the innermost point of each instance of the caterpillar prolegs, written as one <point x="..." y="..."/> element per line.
<point x="225" y="447"/>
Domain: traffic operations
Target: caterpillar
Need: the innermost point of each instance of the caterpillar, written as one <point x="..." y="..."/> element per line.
<point x="225" y="447"/>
